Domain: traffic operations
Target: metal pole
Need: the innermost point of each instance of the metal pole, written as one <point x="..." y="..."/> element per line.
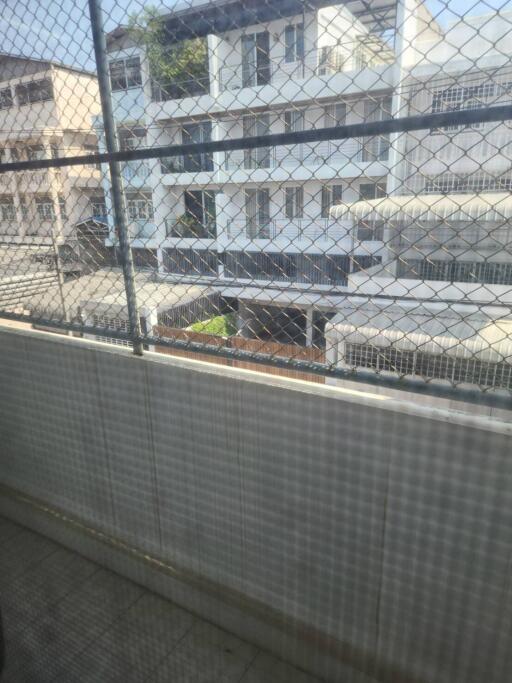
<point x="118" y="198"/>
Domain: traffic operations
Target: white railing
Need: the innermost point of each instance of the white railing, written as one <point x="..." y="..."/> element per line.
<point x="189" y="229"/>
<point x="474" y="238"/>
<point x="309" y="155"/>
<point x="142" y="228"/>
<point x="323" y="61"/>
<point x="135" y="170"/>
<point x="289" y="230"/>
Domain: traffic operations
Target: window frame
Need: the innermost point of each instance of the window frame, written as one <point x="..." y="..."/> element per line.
<point x="294" y="43"/>
<point x="129" y="76"/>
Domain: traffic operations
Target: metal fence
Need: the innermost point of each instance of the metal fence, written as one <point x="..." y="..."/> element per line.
<point x="324" y="186"/>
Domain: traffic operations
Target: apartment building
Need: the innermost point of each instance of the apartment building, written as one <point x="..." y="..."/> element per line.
<point x="444" y="233"/>
<point x="45" y="112"/>
<point x="257" y="223"/>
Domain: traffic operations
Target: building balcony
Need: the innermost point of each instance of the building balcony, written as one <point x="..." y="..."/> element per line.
<point x="136" y="172"/>
<point x="142" y="229"/>
<point x="330" y="154"/>
<point x="9" y="228"/>
<point x="305" y="231"/>
<point x="187" y="227"/>
<point x="187" y="163"/>
<point x="324" y="61"/>
<point x="191" y="87"/>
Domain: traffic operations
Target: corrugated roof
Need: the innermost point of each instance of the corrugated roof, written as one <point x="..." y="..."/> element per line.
<point x="104" y="291"/>
<point x="488" y="206"/>
<point x="479" y="335"/>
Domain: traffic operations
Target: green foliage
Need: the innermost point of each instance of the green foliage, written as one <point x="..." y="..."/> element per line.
<point x="221" y="325"/>
<point x="183" y="61"/>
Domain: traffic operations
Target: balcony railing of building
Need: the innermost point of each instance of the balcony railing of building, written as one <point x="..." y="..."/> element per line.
<point x="322" y="61"/>
<point x="451" y="270"/>
<point x="187" y="227"/>
<point x="177" y="90"/>
<point x="471" y="237"/>
<point x="188" y="163"/>
<point x="9" y="228"/>
<point x="142" y="228"/>
<point x="297" y="229"/>
<point x="323" y="153"/>
<point x="135" y="170"/>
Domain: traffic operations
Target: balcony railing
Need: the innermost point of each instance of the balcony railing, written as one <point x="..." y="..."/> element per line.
<point x="470" y="238"/>
<point x="292" y="230"/>
<point x="177" y="90"/>
<point x="322" y="61"/>
<point x="135" y="170"/>
<point x="9" y="228"/>
<point x="188" y="228"/>
<point x="322" y="153"/>
<point x="188" y="163"/>
<point x="142" y="228"/>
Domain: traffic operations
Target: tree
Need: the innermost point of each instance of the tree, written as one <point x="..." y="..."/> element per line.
<point x="181" y="65"/>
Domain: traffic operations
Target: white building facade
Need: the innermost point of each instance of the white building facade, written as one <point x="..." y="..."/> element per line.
<point x="45" y="112"/>
<point x="258" y="223"/>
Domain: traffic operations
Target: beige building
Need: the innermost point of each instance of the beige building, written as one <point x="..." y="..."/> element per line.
<point x="46" y="111"/>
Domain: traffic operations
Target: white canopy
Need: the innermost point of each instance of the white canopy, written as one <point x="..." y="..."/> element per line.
<point x="476" y="335"/>
<point x="489" y="206"/>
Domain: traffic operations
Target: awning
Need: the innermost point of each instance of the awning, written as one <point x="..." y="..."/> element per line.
<point x="473" y="336"/>
<point x="489" y="206"/>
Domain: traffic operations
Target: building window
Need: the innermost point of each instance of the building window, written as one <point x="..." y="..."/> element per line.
<point x="62" y="208"/>
<point x="125" y="73"/>
<point x="35" y="91"/>
<point x="98" y="207"/>
<point x="5" y="98"/>
<point x="331" y="196"/>
<point x="459" y="98"/>
<point x="24" y="208"/>
<point x="35" y="152"/>
<point x="372" y="190"/>
<point x="335" y="115"/>
<point x="294" y="202"/>
<point x="140" y="207"/>
<point x="45" y="208"/>
<point x="294" y="43"/>
<point x="7" y="212"/>
<point x="370" y="231"/>
<point x="132" y="137"/>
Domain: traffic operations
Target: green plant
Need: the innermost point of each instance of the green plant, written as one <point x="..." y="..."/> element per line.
<point x="221" y="325"/>
<point x="188" y="226"/>
<point x="186" y="60"/>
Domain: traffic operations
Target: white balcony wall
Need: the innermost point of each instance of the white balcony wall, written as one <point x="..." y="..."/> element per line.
<point x="309" y="232"/>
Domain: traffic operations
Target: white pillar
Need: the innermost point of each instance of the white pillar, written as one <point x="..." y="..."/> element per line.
<point x="310" y="312"/>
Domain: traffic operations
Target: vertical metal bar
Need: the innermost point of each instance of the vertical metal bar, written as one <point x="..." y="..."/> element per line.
<point x="118" y="198"/>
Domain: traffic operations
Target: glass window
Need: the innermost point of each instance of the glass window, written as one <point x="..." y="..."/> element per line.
<point x="24" y="208"/>
<point x="294" y="43"/>
<point x="372" y="190"/>
<point x="98" y="206"/>
<point x="7" y="212"/>
<point x="331" y="195"/>
<point x="45" y="208"/>
<point x="140" y="207"/>
<point x="125" y="73"/>
<point x="335" y="115"/>
<point x="35" y="91"/>
<point x="62" y="208"/>
<point x="5" y="98"/>
<point x="294" y="202"/>
<point x="35" y="152"/>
